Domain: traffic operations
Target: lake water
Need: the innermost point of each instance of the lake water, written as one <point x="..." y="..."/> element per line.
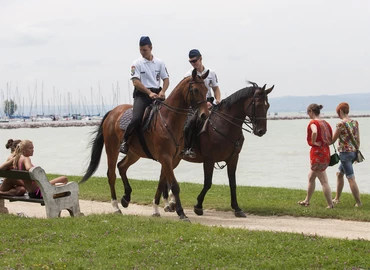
<point x="278" y="159"/>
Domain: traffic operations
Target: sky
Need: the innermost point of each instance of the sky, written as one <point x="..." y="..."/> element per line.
<point x="53" y="51"/>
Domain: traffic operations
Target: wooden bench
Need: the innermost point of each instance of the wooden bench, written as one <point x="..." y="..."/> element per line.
<point x="55" y="198"/>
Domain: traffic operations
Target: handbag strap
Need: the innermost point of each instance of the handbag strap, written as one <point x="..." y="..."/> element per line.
<point x="351" y="136"/>
<point x="335" y="149"/>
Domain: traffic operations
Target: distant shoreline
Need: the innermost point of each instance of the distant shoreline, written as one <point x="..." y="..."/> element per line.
<point x="82" y="123"/>
<point x="72" y="123"/>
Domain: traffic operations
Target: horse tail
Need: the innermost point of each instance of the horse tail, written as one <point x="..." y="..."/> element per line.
<point x="96" y="149"/>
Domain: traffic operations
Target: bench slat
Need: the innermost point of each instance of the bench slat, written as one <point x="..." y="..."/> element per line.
<point x="15" y="174"/>
<point x="24" y="198"/>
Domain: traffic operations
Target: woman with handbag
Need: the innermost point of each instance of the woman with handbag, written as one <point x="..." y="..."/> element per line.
<point x="348" y="133"/>
<point x="319" y="137"/>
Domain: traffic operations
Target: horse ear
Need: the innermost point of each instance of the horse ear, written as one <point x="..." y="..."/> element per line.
<point x="268" y="91"/>
<point x="263" y="88"/>
<point x="194" y="74"/>
<point x="205" y="75"/>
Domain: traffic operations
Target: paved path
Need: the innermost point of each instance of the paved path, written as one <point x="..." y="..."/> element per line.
<point x="322" y="227"/>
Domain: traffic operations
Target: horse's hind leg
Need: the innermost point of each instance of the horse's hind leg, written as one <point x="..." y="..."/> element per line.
<point x="123" y="166"/>
<point x="112" y="155"/>
<point x="208" y="174"/>
<point x="231" y="168"/>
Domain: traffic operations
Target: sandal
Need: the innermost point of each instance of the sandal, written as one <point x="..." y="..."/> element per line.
<point x="304" y="203"/>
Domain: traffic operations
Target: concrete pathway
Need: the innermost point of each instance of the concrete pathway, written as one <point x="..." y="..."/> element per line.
<point x="322" y="227"/>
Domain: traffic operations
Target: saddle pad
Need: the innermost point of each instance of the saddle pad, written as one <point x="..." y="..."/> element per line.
<point x="125" y="119"/>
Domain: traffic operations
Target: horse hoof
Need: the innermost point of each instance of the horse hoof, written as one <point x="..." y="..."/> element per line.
<point x="118" y="212"/>
<point x="198" y="211"/>
<point x="124" y="202"/>
<point x="156" y="215"/>
<point x="173" y="206"/>
<point x="184" y="218"/>
<point x="240" y="214"/>
<point x="168" y="209"/>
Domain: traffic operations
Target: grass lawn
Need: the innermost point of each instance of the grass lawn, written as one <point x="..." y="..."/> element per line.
<point x="132" y="242"/>
<point x="253" y="200"/>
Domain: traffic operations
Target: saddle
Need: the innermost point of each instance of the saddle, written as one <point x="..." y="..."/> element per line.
<point x="146" y="124"/>
<point x="147" y="117"/>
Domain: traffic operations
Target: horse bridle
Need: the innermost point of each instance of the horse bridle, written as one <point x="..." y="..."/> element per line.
<point x="179" y="110"/>
<point x="251" y="122"/>
<point x="193" y="103"/>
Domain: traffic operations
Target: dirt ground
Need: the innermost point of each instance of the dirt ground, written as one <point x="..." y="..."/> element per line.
<point x="322" y="227"/>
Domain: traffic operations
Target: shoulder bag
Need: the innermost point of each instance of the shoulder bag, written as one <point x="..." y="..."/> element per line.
<point x="334" y="158"/>
<point x="360" y="156"/>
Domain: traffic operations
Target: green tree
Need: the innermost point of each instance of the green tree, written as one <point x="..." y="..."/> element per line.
<point x="10" y="107"/>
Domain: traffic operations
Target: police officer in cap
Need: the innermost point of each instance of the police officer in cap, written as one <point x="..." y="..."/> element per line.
<point x="190" y="129"/>
<point x="146" y="73"/>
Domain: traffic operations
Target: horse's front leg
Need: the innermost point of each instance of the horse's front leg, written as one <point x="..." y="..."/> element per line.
<point x="167" y="169"/>
<point x="231" y="169"/>
<point x="168" y="198"/>
<point x="161" y="189"/>
<point x="208" y="174"/>
<point x="123" y="166"/>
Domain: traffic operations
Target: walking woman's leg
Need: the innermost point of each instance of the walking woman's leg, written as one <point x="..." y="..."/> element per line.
<point x="323" y="177"/>
<point x="355" y="191"/>
<point x="340" y="184"/>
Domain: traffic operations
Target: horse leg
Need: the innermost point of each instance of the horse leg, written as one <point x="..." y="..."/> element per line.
<point x="231" y="169"/>
<point x="112" y="155"/>
<point x="208" y="174"/>
<point x="170" y="206"/>
<point x="162" y="187"/>
<point x="167" y="169"/>
<point x="123" y="166"/>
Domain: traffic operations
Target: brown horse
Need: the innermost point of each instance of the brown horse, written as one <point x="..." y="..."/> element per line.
<point x="222" y="138"/>
<point x="164" y="141"/>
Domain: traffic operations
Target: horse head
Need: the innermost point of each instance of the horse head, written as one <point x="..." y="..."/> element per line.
<point x="257" y="109"/>
<point x="197" y="94"/>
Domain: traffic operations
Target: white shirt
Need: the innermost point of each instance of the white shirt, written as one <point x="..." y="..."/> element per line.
<point x="210" y="81"/>
<point x="149" y="72"/>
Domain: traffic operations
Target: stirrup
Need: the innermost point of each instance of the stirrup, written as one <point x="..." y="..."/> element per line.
<point x="124" y="147"/>
<point x="190" y="153"/>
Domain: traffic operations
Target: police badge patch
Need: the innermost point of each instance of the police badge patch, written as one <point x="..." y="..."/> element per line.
<point x="132" y="70"/>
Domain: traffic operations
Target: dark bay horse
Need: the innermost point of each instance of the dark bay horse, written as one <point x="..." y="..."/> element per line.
<point x="222" y="138"/>
<point x="164" y="141"/>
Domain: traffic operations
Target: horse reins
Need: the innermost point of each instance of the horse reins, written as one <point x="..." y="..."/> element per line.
<point x="179" y="111"/>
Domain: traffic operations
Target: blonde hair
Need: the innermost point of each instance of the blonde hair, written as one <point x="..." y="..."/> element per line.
<point x="18" y="152"/>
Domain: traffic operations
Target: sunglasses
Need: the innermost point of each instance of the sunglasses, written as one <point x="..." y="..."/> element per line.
<point x="193" y="61"/>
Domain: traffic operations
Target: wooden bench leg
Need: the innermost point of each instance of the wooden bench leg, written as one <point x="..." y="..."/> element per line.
<point x="3" y="209"/>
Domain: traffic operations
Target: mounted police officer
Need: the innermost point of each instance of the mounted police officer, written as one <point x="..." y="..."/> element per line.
<point x="146" y="74"/>
<point x="195" y="59"/>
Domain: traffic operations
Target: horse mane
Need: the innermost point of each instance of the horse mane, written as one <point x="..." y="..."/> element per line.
<point x="243" y="93"/>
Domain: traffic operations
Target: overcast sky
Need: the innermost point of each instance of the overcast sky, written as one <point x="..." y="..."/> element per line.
<point x="302" y="47"/>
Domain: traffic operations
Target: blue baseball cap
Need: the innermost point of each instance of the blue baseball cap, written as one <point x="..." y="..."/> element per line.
<point x="145" y="40"/>
<point x="194" y="53"/>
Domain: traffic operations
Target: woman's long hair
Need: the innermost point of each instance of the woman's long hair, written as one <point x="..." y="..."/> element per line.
<point x="19" y="150"/>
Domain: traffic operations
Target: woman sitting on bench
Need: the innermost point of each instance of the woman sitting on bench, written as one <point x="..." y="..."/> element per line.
<point x="11" y="187"/>
<point x="22" y="162"/>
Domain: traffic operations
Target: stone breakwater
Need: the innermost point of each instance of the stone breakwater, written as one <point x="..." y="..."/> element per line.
<point x="77" y="123"/>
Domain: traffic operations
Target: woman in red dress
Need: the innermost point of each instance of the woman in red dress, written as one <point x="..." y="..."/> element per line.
<point x="319" y="136"/>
